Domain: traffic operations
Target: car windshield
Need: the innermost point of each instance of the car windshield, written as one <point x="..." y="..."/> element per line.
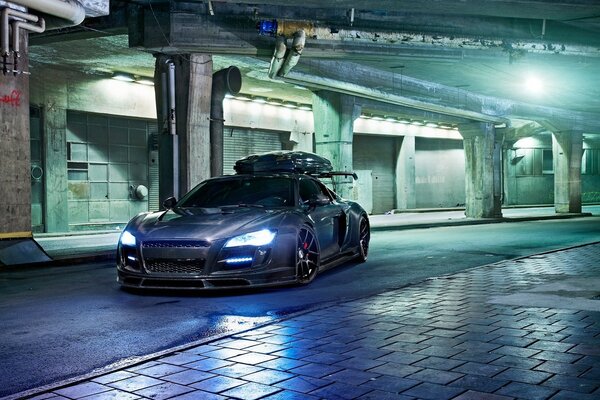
<point x="242" y="191"/>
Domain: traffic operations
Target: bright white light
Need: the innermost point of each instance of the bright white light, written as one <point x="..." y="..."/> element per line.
<point x="238" y="260"/>
<point x="145" y="81"/>
<point x="121" y="76"/>
<point x="127" y="239"/>
<point x="258" y="238"/>
<point x="534" y="85"/>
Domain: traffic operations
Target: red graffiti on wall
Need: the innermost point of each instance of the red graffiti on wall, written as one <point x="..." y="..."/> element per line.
<point x="13" y="99"/>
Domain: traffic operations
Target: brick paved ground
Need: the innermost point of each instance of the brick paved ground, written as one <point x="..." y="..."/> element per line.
<point x="441" y="339"/>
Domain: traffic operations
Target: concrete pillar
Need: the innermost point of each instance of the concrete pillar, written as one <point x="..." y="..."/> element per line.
<point x="406" y="197"/>
<point x="15" y="181"/>
<point x="334" y="116"/>
<point x="184" y="154"/>
<point x="56" y="213"/>
<point x="567" y="150"/>
<point x="483" y="171"/>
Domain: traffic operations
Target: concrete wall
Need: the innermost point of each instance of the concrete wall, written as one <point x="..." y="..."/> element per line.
<point x="439" y="173"/>
<point x="590" y="189"/>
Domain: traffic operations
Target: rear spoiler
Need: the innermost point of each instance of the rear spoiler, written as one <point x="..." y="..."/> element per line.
<point x="337" y="173"/>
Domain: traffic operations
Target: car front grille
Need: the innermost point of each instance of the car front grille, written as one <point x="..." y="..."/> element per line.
<point x="177" y="244"/>
<point x="184" y="267"/>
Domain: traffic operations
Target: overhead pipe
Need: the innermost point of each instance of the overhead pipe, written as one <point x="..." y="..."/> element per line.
<point x="228" y="80"/>
<point x="172" y="124"/>
<point x="278" y="56"/>
<point x="14" y="21"/>
<point x="70" y="12"/>
<point x="17" y="26"/>
<point x="294" y="54"/>
<point x="5" y="26"/>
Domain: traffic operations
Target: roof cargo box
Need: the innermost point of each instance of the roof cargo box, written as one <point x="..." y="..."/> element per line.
<point x="284" y="161"/>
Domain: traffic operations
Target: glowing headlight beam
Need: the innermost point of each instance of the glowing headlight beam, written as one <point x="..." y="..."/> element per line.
<point x="258" y="238"/>
<point x="127" y="239"/>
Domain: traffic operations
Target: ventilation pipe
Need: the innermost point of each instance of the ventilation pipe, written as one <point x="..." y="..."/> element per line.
<point x="228" y="80"/>
<point x="65" y="12"/>
<point x="11" y="24"/>
<point x="294" y="53"/>
<point x="278" y="56"/>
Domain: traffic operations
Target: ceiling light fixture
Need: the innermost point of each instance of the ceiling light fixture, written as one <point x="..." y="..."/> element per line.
<point x="145" y="81"/>
<point x="123" y="77"/>
<point x="534" y="85"/>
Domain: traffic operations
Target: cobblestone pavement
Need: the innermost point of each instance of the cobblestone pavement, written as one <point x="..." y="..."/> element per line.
<point x="452" y="337"/>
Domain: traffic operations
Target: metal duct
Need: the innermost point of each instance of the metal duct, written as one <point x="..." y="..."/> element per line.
<point x="228" y="80"/>
<point x="294" y="53"/>
<point x="69" y="12"/>
<point x="278" y="56"/>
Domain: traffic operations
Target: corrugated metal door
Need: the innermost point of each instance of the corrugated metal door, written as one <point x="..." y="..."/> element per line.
<point x="241" y="142"/>
<point x="378" y="154"/>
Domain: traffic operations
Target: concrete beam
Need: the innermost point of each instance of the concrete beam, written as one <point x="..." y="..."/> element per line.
<point x="352" y="89"/>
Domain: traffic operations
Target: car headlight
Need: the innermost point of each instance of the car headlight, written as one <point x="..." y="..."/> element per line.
<point x="127" y="239"/>
<point x="258" y="238"/>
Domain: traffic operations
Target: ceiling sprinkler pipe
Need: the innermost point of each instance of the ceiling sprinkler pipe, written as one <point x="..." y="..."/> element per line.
<point x="70" y="12"/>
<point x="228" y="80"/>
<point x="278" y="56"/>
<point x="18" y="25"/>
<point x="294" y="53"/>
<point x="6" y="13"/>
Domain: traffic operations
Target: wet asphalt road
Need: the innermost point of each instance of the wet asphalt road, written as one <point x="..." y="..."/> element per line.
<point x="62" y="322"/>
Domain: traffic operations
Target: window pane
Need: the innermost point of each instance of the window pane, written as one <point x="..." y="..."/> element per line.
<point x="547" y="164"/>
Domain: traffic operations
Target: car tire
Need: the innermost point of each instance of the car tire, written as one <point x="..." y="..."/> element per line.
<point x="307" y="255"/>
<point x="364" y="237"/>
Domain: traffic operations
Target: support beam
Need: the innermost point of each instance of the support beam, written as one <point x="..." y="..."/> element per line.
<point x="334" y="116"/>
<point x="406" y="195"/>
<point x="56" y="210"/>
<point x="567" y="149"/>
<point x="183" y="111"/>
<point x="483" y="171"/>
<point x="15" y="180"/>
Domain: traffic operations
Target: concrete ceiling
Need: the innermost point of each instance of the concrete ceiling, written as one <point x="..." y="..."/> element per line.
<point x="461" y="54"/>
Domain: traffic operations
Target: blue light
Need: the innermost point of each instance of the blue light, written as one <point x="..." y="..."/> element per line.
<point x="267" y="28"/>
<point x="127" y="239"/>
<point x="258" y="238"/>
<point x="238" y="260"/>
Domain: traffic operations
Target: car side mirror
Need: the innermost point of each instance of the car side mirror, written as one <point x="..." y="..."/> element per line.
<point x="319" y="200"/>
<point x="169" y="203"/>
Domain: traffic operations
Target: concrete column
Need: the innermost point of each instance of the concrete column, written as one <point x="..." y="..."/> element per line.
<point x="15" y="181"/>
<point x="567" y="149"/>
<point x="405" y="175"/>
<point x="189" y="143"/>
<point x="56" y="181"/>
<point x="334" y="116"/>
<point x="483" y="171"/>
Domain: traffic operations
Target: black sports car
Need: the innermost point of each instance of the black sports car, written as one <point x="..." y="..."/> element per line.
<point x="273" y="223"/>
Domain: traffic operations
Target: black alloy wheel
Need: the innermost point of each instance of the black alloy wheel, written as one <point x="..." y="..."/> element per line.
<point x="364" y="236"/>
<point x="307" y="255"/>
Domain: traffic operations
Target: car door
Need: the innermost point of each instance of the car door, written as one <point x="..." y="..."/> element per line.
<point x="325" y="213"/>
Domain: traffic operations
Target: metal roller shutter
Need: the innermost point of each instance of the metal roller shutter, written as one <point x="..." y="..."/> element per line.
<point x="378" y="154"/>
<point x="241" y="142"/>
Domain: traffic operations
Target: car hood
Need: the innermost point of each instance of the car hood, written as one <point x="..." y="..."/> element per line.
<point x="205" y="224"/>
